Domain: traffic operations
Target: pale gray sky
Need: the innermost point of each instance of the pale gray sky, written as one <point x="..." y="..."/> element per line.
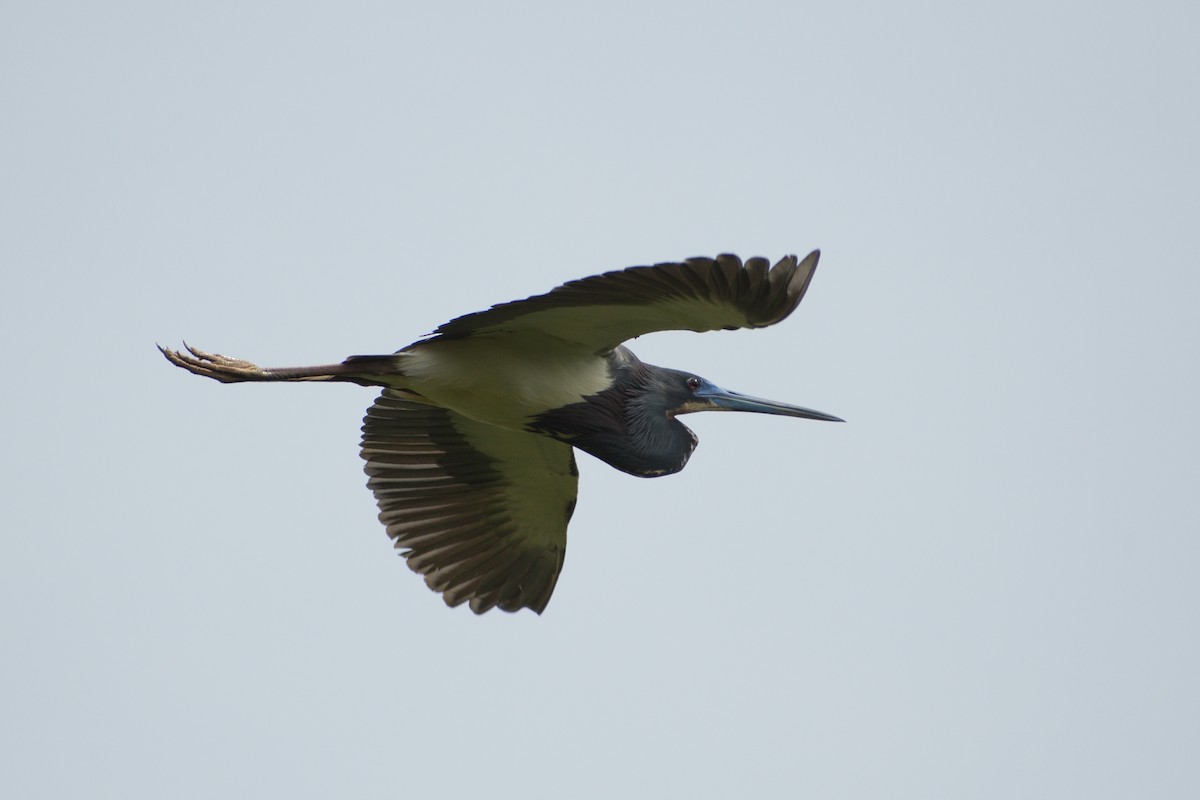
<point x="982" y="586"/>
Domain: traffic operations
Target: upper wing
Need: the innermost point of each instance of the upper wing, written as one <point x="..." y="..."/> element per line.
<point x="482" y="510"/>
<point x="700" y="294"/>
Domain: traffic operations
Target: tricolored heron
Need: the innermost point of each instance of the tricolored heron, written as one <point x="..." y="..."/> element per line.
<point x="469" y="447"/>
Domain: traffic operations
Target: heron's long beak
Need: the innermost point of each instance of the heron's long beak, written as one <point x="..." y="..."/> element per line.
<point x="714" y="398"/>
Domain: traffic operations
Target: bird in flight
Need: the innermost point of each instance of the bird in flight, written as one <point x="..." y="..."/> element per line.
<point x="469" y="448"/>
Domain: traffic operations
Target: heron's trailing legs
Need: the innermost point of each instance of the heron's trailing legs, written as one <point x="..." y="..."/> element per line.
<point x="363" y="370"/>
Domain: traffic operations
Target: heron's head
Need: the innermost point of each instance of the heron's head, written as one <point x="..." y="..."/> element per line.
<point x="677" y="392"/>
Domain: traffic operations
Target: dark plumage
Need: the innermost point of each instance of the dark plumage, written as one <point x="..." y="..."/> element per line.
<point x="628" y="425"/>
<point x="469" y="447"/>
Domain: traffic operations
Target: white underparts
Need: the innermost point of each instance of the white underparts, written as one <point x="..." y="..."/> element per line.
<point x="501" y="378"/>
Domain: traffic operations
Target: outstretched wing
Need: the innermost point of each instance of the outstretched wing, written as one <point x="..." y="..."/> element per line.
<point x="700" y="294"/>
<point x="482" y="511"/>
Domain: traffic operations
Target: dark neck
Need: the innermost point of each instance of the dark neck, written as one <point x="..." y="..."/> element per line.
<point x="618" y="427"/>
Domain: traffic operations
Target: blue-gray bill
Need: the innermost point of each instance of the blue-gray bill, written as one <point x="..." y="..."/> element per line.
<point x="714" y="398"/>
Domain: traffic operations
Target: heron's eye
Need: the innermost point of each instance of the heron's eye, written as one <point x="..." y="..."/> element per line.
<point x="693" y="384"/>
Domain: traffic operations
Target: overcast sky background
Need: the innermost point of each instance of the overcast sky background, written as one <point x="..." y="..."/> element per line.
<point x="982" y="586"/>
